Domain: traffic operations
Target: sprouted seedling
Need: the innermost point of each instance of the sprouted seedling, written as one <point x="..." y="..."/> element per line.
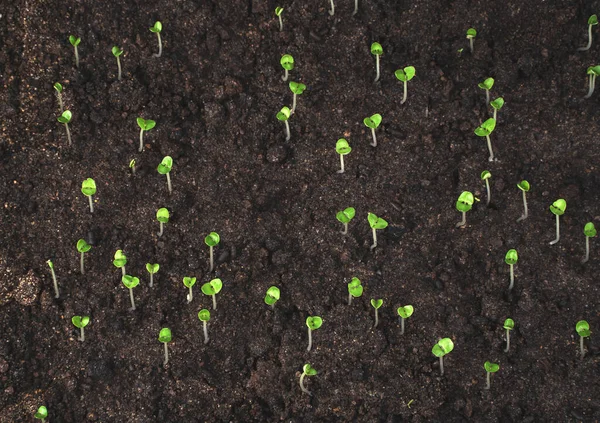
<point x="404" y="312"/>
<point x="41" y="414"/>
<point x="88" y="188"/>
<point x="164" y="168"/>
<point x="204" y="316"/>
<point x="489" y="369"/>
<point x="471" y="34"/>
<point x="307" y="370"/>
<point x="487" y="85"/>
<point x="583" y="329"/>
<point x="405" y="75"/>
<point x="165" y="337"/>
<point x="287" y="63"/>
<point x="332" y="10"/>
<point x="162" y="215"/>
<point x="463" y="205"/>
<point x="116" y="51"/>
<point x="345" y="216"/>
<point x="377" y="51"/>
<point x="212" y="240"/>
<point x="511" y="259"/>
<point x="297" y="89"/>
<point x="278" y="12"/>
<point x="443" y="347"/>
<point x="373" y="122"/>
<point x="375" y="223"/>
<point x="592" y="20"/>
<point x="342" y="148"/>
<point x="65" y="118"/>
<point x="484" y="130"/>
<point x="189" y="282"/>
<point x="59" y="89"/>
<point x="524" y="187"/>
<point x="272" y="296"/>
<point x="593" y="72"/>
<point x="485" y="176"/>
<point x="558" y="209"/>
<point x="120" y="260"/>
<point x="376" y="305"/>
<point x="145" y="125"/>
<point x="509" y="324"/>
<point x="75" y="42"/>
<point x="131" y="282"/>
<point x="81" y="322"/>
<point x="157" y="28"/>
<point x="497" y="105"/>
<point x="132" y="166"/>
<point x="51" y="266"/>
<point x="83" y="247"/>
<point x="283" y="115"/>
<point x="152" y="268"/>
<point x="212" y="288"/>
<point x="355" y="289"/>
<point x="313" y="323"/>
<point x="590" y="231"/>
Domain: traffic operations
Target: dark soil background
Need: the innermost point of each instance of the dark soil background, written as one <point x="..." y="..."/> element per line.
<point x="214" y="95"/>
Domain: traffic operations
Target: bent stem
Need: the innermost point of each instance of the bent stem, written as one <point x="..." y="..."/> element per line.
<point x="345" y="231"/>
<point x="557" y="231"/>
<point x="285" y="75"/>
<point x="487" y="187"/>
<point x="341" y="164"/>
<point x="589" y="44"/>
<point x="374" y="238"/>
<point x="507" y="340"/>
<point x="287" y="130"/>
<point x="489" y="144"/>
<point x="587" y="250"/>
<point x="309" y="340"/>
<point x="205" y="332"/>
<point x="405" y="93"/>
<point x="374" y="143"/>
<point x="131" y="298"/>
<point x="68" y="134"/>
<point x="512" y="277"/>
<point x="280" y="24"/>
<point x="141" y="141"/>
<point x="332" y="11"/>
<point x="524" y="215"/>
<point x="306" y="391"/>
<point x="377" y="67"/>
<point x="91" y="203"/>
<point x="159" y="46"/>
<point x="161" y="229"/>
<point x="166" y="354"/>
<point x="190" y="296"/>
<point x="463" y="222"/>
<point x="592" y="85"/>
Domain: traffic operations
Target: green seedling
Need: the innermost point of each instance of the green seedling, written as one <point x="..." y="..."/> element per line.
<point x="131" y="282"/>
<point x="287" y="63"/>
<point x="355" y="289"/>
<point x="157" y="29"/>
<point x="283" y="115"/>
<point x="132" y="166"/>
<point x="593" y="72"/>
<point x="405" y="75"/>
<point x="524" y="187"/>
<point x="345" y="216"/>
<point x="463" y="205"/>
<point x="83" y="247"/>
<point x="165" y="337"/>
<point x="558" y="209"/>
<point x="120" y="260"/>
<point x="459" y="52"/>
<point x="212" y="240"/>
<point x="75" y="42"/>
<point x="162" y="215"/>
<point x="583" y="329"/>
<point x="307" y="370"/>
<point x="489" y="369"/>
<point x="484" y="130"/>
<point x="204" y="316"/>
<point x="404" y="312"/>
<point x="41" y="414"/>
<point x="272" y="296"/>
<point x="373" y="122"/>
<point x="51" y="266"/>
<point x="376" y="305"/>
<point x="164" y="168"/>
<point x="509" y="324"/>
<point x="65" y="118"/>
<point x="278" y="12"/>
<point x="297" y="89"/>
<point x="59" y="89"/>
<point x="589" y="231"/>
<point x="313" y="323"/>
<point x="117" y="52"/>
<point x="342" y="148"/>
<point x="152" y="269"/>
<point x="443" y="347"/>
<point x="145" y="125"/>
<point x="487" y="85"/>
<point x="88" y="188"/>
<point x="485" y="176"/>
<point x="332" y="10"/>
<point x="511" y="259"/>
<point x="375" y="223"/>
<point x="497" y="105"/>
<point x="189" y="282"/>
<point x="592" y="20"/>
<point x="377" y="51"/>
<point x="212" y="288"/>
<point x="81" y="322"/>
<point x="471" y="34"/>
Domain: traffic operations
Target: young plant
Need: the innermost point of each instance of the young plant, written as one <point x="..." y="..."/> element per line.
<point x="59" y="89"/>
<point x="376" y="305"/>
<point x="83" y="247"/>
<point x="162" y="215"/>
<point x="511" y="259"/>
<point x="41" y="414"/>
<point x="375" y="223"/>
<point x="593" y="72"/>
<point x="355" y="289"/>
<point x="145" y="125"/>
<point x="377" y="51"/>
<point x="332" y="10"/>
<point x="278" y="12"/>
<point x="489" y="369"/>
<point x="558" y="209"/>
<point x="283" y="115"/>
<point x="583" y="329"/>
<point x="485" y="176"/>
<point x="287" y="63"/>
<point x="51" y="266"/>
<point x="119" y="261"/>
<point x="81" y="322"/>
<point x="297" y="88"/>
<point x="313" y="323"/>
<point x="130" y="282"/>
<point x="589" y="231"/>
<point x="117" y="52"/>
<point x="443" y="347"/>
<point x="373" y="122"/>
<point x="189" y="282"/>
<point x="509" y="324"/>
<point x="212" y="240"/>
<point x="404" y="312"/>
<point x="307" y="370"/>
<point x="212" y="288"/>
<point x="164" y="168"/>
<point x="592" y="20"/>
<point x="463" y="205"/>
<point x="165" y="337"/>
<point x="405" y="75"/>
<point x="345" y="216"/>
<point x="471" y="34"/>
<point x="497" y="105"/>
<point x="487" y="85"/>
<point x="132" y="166"/>
<point x="272" y="296"/>
<point x="524" y="187"/>
<point x="65" y="118"/>
<point x="484" y="130"/>
<point x="75" y="42"/>
<point x="204" y="316"/>
<point x="157" y="28"/>
<point x="88" y="188"/>
<point x="152" y="269"/>
<point x="342" y="148"/>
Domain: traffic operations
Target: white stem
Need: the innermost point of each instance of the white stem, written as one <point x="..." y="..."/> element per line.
<point x="56" y="294"/>
<point x="68" y="134"/>
<point x="349" y="298"/>
<point x="471" y="40"/>
<point x="81" y="263"/>
<point x="287" y="130"/>
<point x="589" y="44"/>
<point x="355" y="7"/>
<point x="169" y="183"/>
<point x="463" y="222"/>
<point x="341" y="164"/>
<point x="345" y="231"/>
<point x="592" y="85"/>
<point x="205" y="332"/>
<point x="82" y="337"/>
<point x="524" y="215"/>
<point x="489" y="144"/>
<point x="91" y="201"/>
<point x="487" y="385"/>
<point x="557" y="231"/>
<point x="151" y="279"/>
<point x="280" y="24"/>
<point x="76" y="57"/>
<point x="487" y="96"/>
<point x="495" y="113"/>
<point x="214" y="301"/>
<point x="309" y="340"/>
<point x="131" y="298"/>
<point x="141" y="141"/>
<point x="293" y="104"/>
<point x="374" y="238"/>
<point x="332" y="11"/>
<point x="405" y="92"/>
<point x="376" y="318"/>
<point x="306" y="391"/>
<point x="166" y="354"/>
<point x="374" y="143"/>
<point x="159" y="46"/>
<point x="401" y="325"/>
<point x="587" y="249"/>
<point x="581" y="349"/>
<point x="161" y="229"/>
<point x="377" y="67"/>
<point x="285" y="75"/>
<point x="190" y="296"/>
<point x="211" y="258"/>
<point x="507" y="340"/>
<point x="122" y="270"/>
<point x="512" y="277"/>
<point x="119" y="66"/>
<point x="489" y="195"/>
<point x="442" y="366"/>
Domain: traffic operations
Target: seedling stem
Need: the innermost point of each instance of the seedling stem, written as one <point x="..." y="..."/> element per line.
<point x="589" y="231"/>
<point x="355" y="7"/>
<point x="332" y="11"/>
<point x="157" y="28"/>
<point x="593" y="20"/>
<point x="558" y="208"/>
<point x="51" y="265"/>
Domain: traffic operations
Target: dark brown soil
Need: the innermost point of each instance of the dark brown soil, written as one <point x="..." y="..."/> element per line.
<point x="214" y="95"/>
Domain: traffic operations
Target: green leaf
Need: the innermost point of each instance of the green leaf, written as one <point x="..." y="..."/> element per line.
<point x="509" y="324"/>
<point x="165" y="335"/>
<point x="272" y="295"/>
<point x="297" y="87"/>
<point x="130" y="281"/>
<point x="486" y="174"/>
<point x="120" y="259"/>
<point x="162" y="215"/>
<point x="487" y="84"/>
<point x="82" y="246"/>
<point x="376" y="49"/>
<point x="80" y="321"/>
<point x="65" y="117"/>
<point x="593" y="20"/>
<point x="284" y="113"/>
<point x="443" y="347"/>
<point x="465" y="201"/>
<point x="373" y="121"/>
<point x="308" y="370"/>
<point x="376" y="303"/>
<point x="590" y="230"/>
<point x="405" y="74"/>
<point x="132" y="163"/>
<point x="41" y="413"/>
<point x="471" y="33"/>
<point x="376" y="222"/>
<point x="212" y="239"/>
<point x="342" y="147"/>
<point x="511" y="257"/>
<point x="213" y="287"/>
<point x="406" y="311"/>
<point x="583" y="328"/>
<point x="116" y="51"/>
<point x="314" y="322"/>
<point x="146" y="125"/>
<point x="593" y="70"/>
<point x="524" y="185"/>
<point x="88" y="187"/>
<point x="355" y="288"/>
<point x="278" y="11"/>
<point x="74" y="40"/>
<point x="50" y="264"/>
<point x="497" y="103"/>
<point x="486" y="128"/>
<point x="204" y="315"/>
<point x="152" y="268"/>
<point x="58" y="87"/>
<point x="157" y="27"/>
<point x="287" y="62"/>
<point x="346" y="215"/>
<point x="558" y="207"/>
<point x="165" y="166"/>
<point x="491" y="367"/>
<point x="189" y="281"/>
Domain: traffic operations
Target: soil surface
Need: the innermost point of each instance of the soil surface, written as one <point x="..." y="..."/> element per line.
<point x="214" y="94"/>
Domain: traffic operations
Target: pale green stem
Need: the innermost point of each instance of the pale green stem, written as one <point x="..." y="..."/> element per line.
<point x="91" y="201"/>
<point x="82" y="337"/>
<point x="355" y="7"/>
<point x="285" y="75"/>
<point x="487" y="96"/>
<point x="214" y="301"/>
<point x="581" y="349"/>
<point x="374" y="238"/>
<point x="68" y="134"/>
<point x="376" y="318"/>
<point x="306" y="391"/>
<point x="332" y="11"/>
<point x="377" y="67"/>
<point x="587" y="249"/>
<point x="205" y="332"/>
<point x="293" y="104"/>
<point x="489" y="144"/>
<point x="405" y="92"/>
<point x="166" y="354"/>
<point x="60" y="103"/>
<point x="592" y="83"/>
<point x="349" y="298"/>
<point x="190" y="296"/>
<point x="471" y="40"/>
<point x="119" y="66"/>
<point x="161" y="229"/>
<point x="169" y="183"/>
<point x="557" y="231"/>
<point x="524" y="215"/>
<point x="76" y="57"/>
<point x="309" y="340"/>
<point x="463" y="222"/>
<point x="512" y="277"/>
<point x="56" y="294"/>
<point x="122" y="270"/>
<point x="401" y="325"/>
<point x="212" y="263"/>
<point x="159" y="46"/>
<point x="589" y="44"/>
<point x="495" y="113"/>
<point x="345" y="231"/>
<point x="442" y="366"/>
<point x="341" y="164"/>
<point x="489" y="195"/>
<point x="488" y="383"/>
<point x="81" y="263"/>
<point x="131" y="298"/>
<point x="151" y="279"/>
<point x="507" y="340"/>
<point x="280" y="24"/>
<point x="141" y="141"/>
<point x="287" y="130"/>
<point x="374" y="143"/>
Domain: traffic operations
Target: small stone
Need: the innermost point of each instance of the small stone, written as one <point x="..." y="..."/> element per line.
<point x="28" y="290"/>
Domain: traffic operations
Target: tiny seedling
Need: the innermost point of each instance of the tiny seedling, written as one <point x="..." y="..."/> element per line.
<point x="152" y="269"/>
<point x="484" y="130"/>
<point x="489" y="369"/>
<point x="313" y="323"/>
<point x="162" y="215"/>
<point x="132" y="166"/>
<point x="119" y="261"/>
<point x="375" y="223"/>
<point x="443" y="347"/>
<point x="212" y="288"/>
<point x="297" y="88"/>
<point x="487" y="85"/>
<point x="332" y="10"/>
<point x="88" y="188"/>
<point x="497" y="105"/>
<point x="593" y="72"/>
<point x="376" y="305"/>
<point x="164" y="168"/>
<point x="165" y="337"/>
<point x="204" y="316"/>
<point x="524" y="187"/>
<point x="81" y="322"/>
<point x="485" y="176"/>
<point x="589" y="231"/>
<point x="157" y="29"/>
<point x="130" y="282"/>
<point x="373" y="122"/>
<point x="145" y="125"/>
<point x="592" y="20"/>
<point x="342" y="148"/>
<point x="51" y="266"/>
<point x="41" y="414"/>
<point x="345" y="216"/>
<point x="405" y="75"/>
<point x="307" y="370"/>
<point x="404" y="312"/>
<point x="272" y="296"/>
<point x="59" y="89"/>
<point x="355" y="289"/>
<point x="511" y="259"/>
<point x="287" y="63"/>
<point x="509" y="324"/>
<point x="463" y="205"/>
<point x="83" y="247"/>
<point x="283" y="115"/>
<point x="558" y="209"/>
<point x="377" y="51"/>
<point x="189" y="282"/>
<point x="278" y="12"/>
<point x="65" y="118"/>
<point x="117" y="52"/>
<point x="471" y="34"/>
<point x="583" y="329"/>
<point x="75" y="42"/>
<point x="212" y="240"/>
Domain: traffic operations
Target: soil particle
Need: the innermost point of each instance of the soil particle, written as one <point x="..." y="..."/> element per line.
<point x="28" y="289"/>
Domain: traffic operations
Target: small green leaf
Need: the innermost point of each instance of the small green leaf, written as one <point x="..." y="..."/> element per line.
<point x="88" y="187"/>
<point x="465" y="201"/>
<point x="590" y="230"/>
<point x="146" y="125"/>
<point x="120" y="259"/>
<point x="278" y="11"/>
<point x="213" y="287"/>
<point x="204" y="315"/>
<point x="583" y="328"/>
<point x="558" y="207"/>
<point x="65" y="117"/>
<point x="497" y="103"/>
<point x="524" y="185"/>
<point x="593" y="20"/>
<point x="443" y="347"/>
<point x="309" y="370"/>
<point x="486" y="128"/>
<point x="376" y="222"/>
<point x="346" y="215"/>
<point x="486" y="174"/>
<point x="342" y="147"/>
<point x="82" y="246"/>
<point x="471" y="33"/>
<point x="165" y="165"/>
<point x="212" y="239"/>
<point x="405" y="74"/>
<point x="376" y="303"/>
<point x="58" y="87"/>
<point x="80" y="321"/>
<point x="157" y="27"/>
<point x="189" y="281"/>
<point x="130" y="281"/>
<point x="41" y="413"/>
<point x="376" y="49"/>
<point x="593" y="70"/>
<point x="165" y="335"/>
<point x="287" y="62"/>
<point x="50" y="264"/>
<point x="355" y="288"/>
<point x="487" y="84"/>
<point x="297" y="87"/>
<point x="152" y="268"/>
<point x="509" y="324"/>
<point x="511" y="257"/>
<point x="116" y="51"/>
<point x="74" y="40"/>
<point x="406" y="311"/>
<point x="284" y="113"/>
<point x="373" y="121"/>
<point x="162" y="215"/>
<point x="272" y="295"/>
<point x="491" y="367"/>
<point x="314" y="322"/>
<point x="132" y="163"/>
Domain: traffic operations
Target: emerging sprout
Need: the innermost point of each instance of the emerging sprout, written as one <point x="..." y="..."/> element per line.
<point x="345" y="216"/>
<point x="487" y="85"/>
<point x="485" y="176"/>
<point x="65" y="118"/>
<point x="287" y="63"/>
<point x="524" y="187"/>
<point x="497" y="105"/>
<point x="132" y="166"/>
<point x="165" y="337"/>
<point x="471" y="34"/>
<point x="376" y="223"/>
<point x="443" y="347"/>
<point x="377" y="51"/>
<point x="145" y="125"/>
<point x="583" y="329"/>
<point x="81" y="322"/>
<point x="157" y="28"/>
<point x="307" y="370"/>
<point x="404" y="312"/>
<point x="116" y="51"/>
<point x="41" y="414"/>
<point x="212" y="240"/>
<point x="59" y="89"/>
<point x="297" y="89"/>
<point x="593" y="72"/>
<point x="355" y="289"/>
<point x="405" y="75"/>
<point x="373" y="122"/>
<point x="51" y="266"/>
<point x="152" y="269"/>
<point x="75" y="42"/>
<point x="162" y="215"/>
<point x="204" y="316"/>
<point x="283" y="115"/>
<point x="509" y="324"/>
<point x="272" y="296"/>
<point x="484" y="130"/>
<point x="120" y="260"/>
<point x="189" y="282"/>
<point x="489" y="369"/>
<point x="592" y="20"/>
<point x="558" y="209"/>
<point x="590" y="231"/>
<point x="130" y="282"/>
<point x="313" y="323"/>
<point x="332" y="10"/>
<point x="83" y="247"/>
<point x="88" y="188"/>
<point x="342" y="148"/>
<point x="463" y="205"/>
<point x="376" y="305"/>
<point x="213" y="288"/>
<point x="511" y="259"/>
<point x="278" y="11"/>
<point x="164" y="168"/>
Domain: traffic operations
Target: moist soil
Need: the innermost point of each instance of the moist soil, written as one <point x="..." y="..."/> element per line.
<point x="214" y="94"/>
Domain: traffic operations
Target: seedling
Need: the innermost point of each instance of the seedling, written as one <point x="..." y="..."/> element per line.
<point x="132" y="166"/>
<point x="41" y="414"/>
<point x="131" y="282"/>
<point x="404" y="312"/>
<point x="484" y="130"/>
<point x="583" y="329"/>
<point x="145" y="125"/>
<point x="405" y="75"/>
<point x="278" y="12"/>
<point x="287" y="63"/>
<point x="376" y="305"/>
<point x="164" y="168"/>
<point x="307" y="370"/>
<point x="162" y="215"/>
<point x="297" y="89"/>
<point x="342" y="148"/>
<point x="487" y="85"/>
<point x="373" y="122"/>
<point x="485" y="176"/>
<point x="51" y="266"/>
<point x="204" y="316"/>
<point x="509" y="324"/>
<point x="524" y="187"/>
<point x="592" y="20"/>
<point x="59" y="89"/>
<point x="471" y="34"/>
<point x="212" y="240"/>
<point x="165" y="337"/>
<point x="81" y="322"/>
<point x="75" y="42"/>
<point x="213" y="288"/>
<point x="345" y="216"/>
<point x="489" y="369"/>
<point x="152" y="269"/>
<point x="157" y="28"/>
<point x="313" y="323"/>
<point x="83" y="247"/>
<point x="558" y="209"/>
<point x="593" y="72"/>
<point x="189" y="282"/>
<point x="590" y="231"/>
<point x="497" y="105"/>
<point x="332" y="10"/>
<point x="272" y="296"/>
<point x="377" y="51"/>
<point x="355" y="289"/>
<point x="65" y="118"/>
<point x="119" y="261"/>
<point x="443" y="347"/>
<point x="463" y="205"/>
<point x="117" y="52"/>
<point x="511" y="259"/>
<point x="283" y="115"/>
<point x="375" y="223"/>
<point x="88" y="188"/>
